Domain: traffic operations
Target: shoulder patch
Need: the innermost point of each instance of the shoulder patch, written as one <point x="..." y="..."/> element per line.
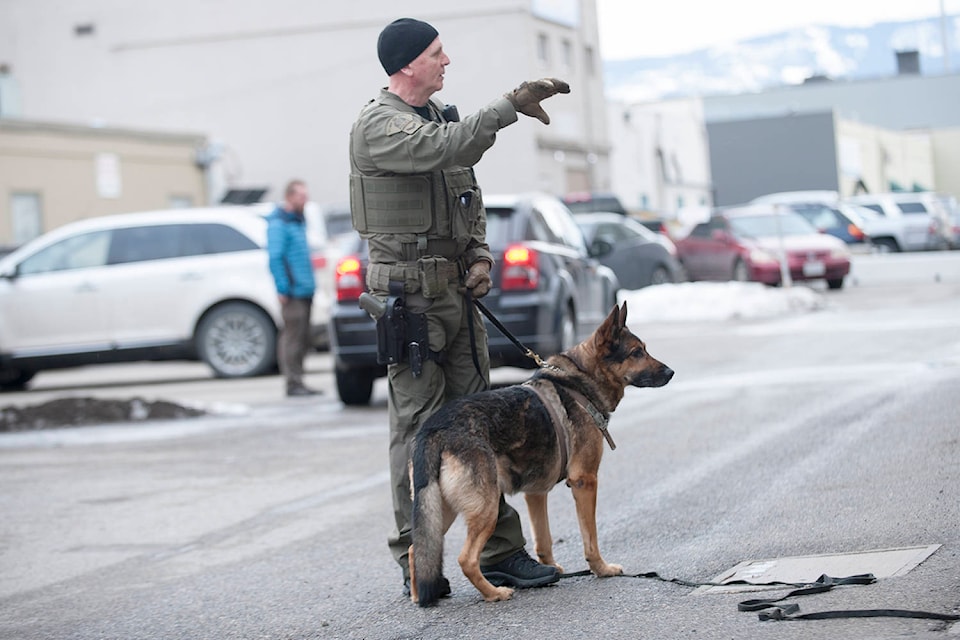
<point x="404" y="122"/>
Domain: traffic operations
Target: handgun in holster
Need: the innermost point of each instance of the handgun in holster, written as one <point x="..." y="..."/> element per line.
<point x="403" y="336"/>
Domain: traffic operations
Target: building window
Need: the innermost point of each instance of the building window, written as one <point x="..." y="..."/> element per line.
<point x="588" y="61"/>
<point x="567" y="52"/>
<point x="26" y="217"/>
<point x="543" y="49"/>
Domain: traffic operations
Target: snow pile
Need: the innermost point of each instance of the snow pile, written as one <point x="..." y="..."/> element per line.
<point x="716" y="301"/>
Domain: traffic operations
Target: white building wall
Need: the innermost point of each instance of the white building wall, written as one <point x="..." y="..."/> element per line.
<point x="279" y="83"/>
<point x="946" y="154"/>
<point x="661" y="159"/>
<point x="883" y="159"/>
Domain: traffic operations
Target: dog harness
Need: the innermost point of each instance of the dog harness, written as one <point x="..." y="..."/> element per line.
<point x="551" y="400"/>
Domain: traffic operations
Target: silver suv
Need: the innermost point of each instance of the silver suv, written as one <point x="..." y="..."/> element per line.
<point x="162" y="285"/>
<point x="921" y="221"/>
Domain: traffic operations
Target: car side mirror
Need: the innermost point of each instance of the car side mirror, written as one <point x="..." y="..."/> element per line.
<point x="600" y="248"/>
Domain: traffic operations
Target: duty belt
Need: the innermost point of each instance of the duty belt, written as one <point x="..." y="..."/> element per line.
<point x="446" y="248"/>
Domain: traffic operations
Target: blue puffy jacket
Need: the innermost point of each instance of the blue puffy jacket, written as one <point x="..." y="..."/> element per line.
<point x="289" y="254"/>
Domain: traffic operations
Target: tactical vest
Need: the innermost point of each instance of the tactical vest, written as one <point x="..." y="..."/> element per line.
<point x="440" y="208"/>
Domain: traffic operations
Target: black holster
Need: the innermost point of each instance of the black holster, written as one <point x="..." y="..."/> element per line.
<point x="403" y="336"/>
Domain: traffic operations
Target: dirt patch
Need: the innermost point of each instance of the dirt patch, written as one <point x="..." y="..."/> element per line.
<point x="75" y="412"/>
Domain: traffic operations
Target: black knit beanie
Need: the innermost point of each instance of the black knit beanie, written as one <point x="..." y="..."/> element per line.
<point x="402" y="41"/>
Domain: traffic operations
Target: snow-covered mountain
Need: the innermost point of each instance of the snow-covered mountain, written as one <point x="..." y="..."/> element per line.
<point x="788" y="57"/>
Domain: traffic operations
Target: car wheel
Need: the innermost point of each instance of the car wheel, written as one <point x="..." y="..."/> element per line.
<point x="355" y="386"/>
<point x="885" y="245"/>
<point x="660" y="276"/>
<point x="15" y="379"/>
<point x="568" y="329"/>
<point x="835" y="284"/>
<point x="740" y="273"/>
<point x="237" y="340"/>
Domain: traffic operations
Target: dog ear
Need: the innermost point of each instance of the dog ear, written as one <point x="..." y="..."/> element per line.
<point x="609" y="330"/>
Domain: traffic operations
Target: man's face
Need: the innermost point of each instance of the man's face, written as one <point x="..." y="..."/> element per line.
<point x="297" y="198"/>
<point x="427" y="68"/>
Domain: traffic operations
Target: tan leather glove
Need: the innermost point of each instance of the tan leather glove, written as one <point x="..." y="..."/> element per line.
<point x="526" y="98"/>
<point x="478" y="279"/>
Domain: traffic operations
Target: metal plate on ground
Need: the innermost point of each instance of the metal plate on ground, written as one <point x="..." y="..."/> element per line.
<point x="883" y="563"/>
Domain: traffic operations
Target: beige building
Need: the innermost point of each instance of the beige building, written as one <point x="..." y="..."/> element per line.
<point x="876" y="159"/>
<point x="51" y="174"/>
<point x="276" y="85"/>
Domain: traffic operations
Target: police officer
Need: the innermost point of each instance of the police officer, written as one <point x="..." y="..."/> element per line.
<point x="415" y="199"/>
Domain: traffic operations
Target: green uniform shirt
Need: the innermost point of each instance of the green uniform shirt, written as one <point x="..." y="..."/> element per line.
<point x="389" y="138"/>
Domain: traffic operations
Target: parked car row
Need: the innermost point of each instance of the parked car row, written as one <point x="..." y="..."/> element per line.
<point x="902" y="221"/>
<point x="193" y="284"/>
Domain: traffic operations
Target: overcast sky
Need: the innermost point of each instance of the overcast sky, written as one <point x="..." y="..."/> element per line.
<point x="639" y="28"/>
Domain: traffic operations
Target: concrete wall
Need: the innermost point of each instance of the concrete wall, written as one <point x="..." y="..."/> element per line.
<point x="946" y="154"/>
<point x="880" y="160"/>
<point x="660" y="161"/>
<point x="750" y="158"/>
<point x="68" y="173"/>
<point x="276" y="85"/>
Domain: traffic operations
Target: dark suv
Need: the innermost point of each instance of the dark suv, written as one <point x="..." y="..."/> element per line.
<point x="547" y="292"/>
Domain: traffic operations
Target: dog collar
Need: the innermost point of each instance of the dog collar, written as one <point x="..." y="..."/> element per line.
<point x="598" y="416"/>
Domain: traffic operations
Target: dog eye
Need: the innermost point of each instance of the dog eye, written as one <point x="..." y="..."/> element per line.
<point x="638" y="353"/>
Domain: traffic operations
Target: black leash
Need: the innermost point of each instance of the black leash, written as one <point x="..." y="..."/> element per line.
<point x="470" y="301"/>
<point x="530" y="353"/>
<point x="769" y="609"/>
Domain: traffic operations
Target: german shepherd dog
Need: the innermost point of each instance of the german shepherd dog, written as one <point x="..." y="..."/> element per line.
<point x="526" y="437"/>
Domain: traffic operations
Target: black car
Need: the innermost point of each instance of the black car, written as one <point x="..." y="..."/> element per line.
<point x="638" y="256"/>
<point x="547" y="291"/>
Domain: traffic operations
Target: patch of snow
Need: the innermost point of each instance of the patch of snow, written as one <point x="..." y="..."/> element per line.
<point x="717" y="301"/>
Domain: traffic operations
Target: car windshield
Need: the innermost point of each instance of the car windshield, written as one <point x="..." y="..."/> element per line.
<point x="788" y="224"/>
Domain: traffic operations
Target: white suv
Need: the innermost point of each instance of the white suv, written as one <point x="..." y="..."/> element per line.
<point x="173" y="284"/>
<point x="922" y="220"/>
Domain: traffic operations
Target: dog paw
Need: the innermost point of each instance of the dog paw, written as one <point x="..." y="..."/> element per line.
<point x="609" y="570"/>
<point x="499" y="593"/>
<point x="557" y="565"/>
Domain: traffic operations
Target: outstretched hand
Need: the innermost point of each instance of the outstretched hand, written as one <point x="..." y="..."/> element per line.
<point x="527" y="97"/>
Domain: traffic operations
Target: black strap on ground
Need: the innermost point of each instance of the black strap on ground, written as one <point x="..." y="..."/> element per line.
<point x="822" y="584"/>
<point x="770" y="610"/>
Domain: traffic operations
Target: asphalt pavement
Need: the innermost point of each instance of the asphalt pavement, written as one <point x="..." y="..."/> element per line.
<point x="830" y="432"/>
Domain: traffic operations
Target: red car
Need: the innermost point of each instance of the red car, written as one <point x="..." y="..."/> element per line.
<point x="746" y="243"/>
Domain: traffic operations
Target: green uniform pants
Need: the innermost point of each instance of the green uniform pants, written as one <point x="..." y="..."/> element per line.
<point x="413" y="400"/>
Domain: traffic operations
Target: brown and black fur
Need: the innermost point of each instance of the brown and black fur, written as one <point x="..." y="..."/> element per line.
<point x="503" y="441"/>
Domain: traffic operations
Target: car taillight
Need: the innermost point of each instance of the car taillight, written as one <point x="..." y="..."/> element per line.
<point x="520" y="270"/>
<point x="855" y="231"/>
<point x="349" y="279"/>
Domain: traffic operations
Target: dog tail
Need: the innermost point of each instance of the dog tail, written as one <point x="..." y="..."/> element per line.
<point x="427" y="526"/>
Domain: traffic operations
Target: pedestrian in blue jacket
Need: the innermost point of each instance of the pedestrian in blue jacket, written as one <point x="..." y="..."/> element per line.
<point x="293" y="274"/>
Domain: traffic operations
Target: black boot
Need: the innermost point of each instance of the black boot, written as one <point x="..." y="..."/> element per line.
<point x="520" y="571"/>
